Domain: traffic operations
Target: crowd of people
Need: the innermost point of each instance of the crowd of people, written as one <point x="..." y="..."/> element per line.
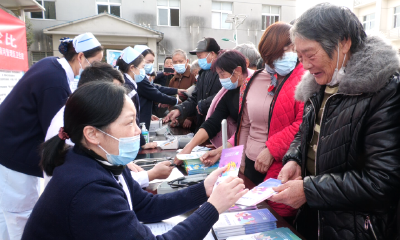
<point x="315" y="106"/>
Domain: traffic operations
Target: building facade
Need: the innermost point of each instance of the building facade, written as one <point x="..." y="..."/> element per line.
<point x="165" y="25"/>
<point x="380" y="16"/>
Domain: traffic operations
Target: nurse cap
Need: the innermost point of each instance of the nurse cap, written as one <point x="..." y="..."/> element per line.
<point x="141" y="48"/>
<point x="85" y="42"/>
<point x="129" y="55"/>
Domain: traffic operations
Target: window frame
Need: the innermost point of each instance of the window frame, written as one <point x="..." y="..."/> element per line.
<point x="394" y="17"/>
<point x="270" y="14"/>
<point x="46" y="54"/>
<point x="220" y="14"/>
<point x="368" y="21"/>
<point x="43" y="15"/>
<point x="109" y="4"/>
<point x="169" y="14"/>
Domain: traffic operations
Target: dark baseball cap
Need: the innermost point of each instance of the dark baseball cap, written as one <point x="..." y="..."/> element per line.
<point x="206" y="45"/>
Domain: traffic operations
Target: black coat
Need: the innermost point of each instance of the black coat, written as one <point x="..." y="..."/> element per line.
<point x="207" y="87"/>
<point x="358" y="155"/>
<point x="149" y="93"/>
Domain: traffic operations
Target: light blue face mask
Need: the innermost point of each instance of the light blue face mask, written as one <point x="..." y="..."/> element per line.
<point x="228" y="84"/>
<point x="128" y="149"/>
<point x="180" y="68"/>
<point x="286" y="64"/>
<point x="81" y="69"/>
<point x="204" y="64"/>
<point x="141" y="76"/>
<point x="148" y="68"/>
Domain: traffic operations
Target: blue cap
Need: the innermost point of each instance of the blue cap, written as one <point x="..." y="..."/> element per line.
<point x="129" y="54"/>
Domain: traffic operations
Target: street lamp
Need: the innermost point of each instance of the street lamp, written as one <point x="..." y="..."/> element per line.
<point x="236" y="21"/>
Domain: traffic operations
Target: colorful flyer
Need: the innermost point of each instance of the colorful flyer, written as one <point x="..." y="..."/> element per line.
<point x="231" y="157"/>
<point x="259" y="193"/>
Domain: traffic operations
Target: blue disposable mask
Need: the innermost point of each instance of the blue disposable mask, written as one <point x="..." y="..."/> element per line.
<point x="204" y="64"/>
<point x="148" y="68"/>
<point x="128" y="149"/>
<point x="286" y="64"/>
<point x="141" y="76"/>
<point x="180" y="68"/>
<point x="228" y="84"/>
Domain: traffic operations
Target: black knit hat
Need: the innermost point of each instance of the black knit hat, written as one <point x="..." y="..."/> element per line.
<point x="206" y="45"/>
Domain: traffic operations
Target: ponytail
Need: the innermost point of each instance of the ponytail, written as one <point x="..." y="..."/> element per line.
<point x="53" y="153"/>
<point x="96" y="104"/>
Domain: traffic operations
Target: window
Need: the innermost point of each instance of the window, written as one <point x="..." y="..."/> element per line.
<point x="396" y="17"/>
<point x="220" y="11"/>
<point x="270" y="15"/>
<point x="109" y="6"/>
<point x="36" y="56"/>
<point x="369" y="21"/>
<point x="50" y="13"/>
<point x="168" y="12"/>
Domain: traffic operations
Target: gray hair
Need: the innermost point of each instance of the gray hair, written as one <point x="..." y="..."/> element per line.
<point x="194" y="66"/>
<point x="181" y="52"/>
<point x="250" y="52"/>
<point x="328" y="24"/>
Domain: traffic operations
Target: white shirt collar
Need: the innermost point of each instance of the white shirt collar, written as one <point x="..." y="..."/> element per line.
<point x="67" y="68"/>
<point x="130" y="79"/>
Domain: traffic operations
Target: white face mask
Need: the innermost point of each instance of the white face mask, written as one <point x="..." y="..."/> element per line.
<point x="338" y="75"/>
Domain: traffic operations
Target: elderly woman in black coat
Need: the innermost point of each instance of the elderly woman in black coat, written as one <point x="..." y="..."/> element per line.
<point x="343" y="168"/>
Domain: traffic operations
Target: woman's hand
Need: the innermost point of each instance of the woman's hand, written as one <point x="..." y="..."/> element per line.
<point x="211" y="157"/>
<point x="227" y="193"/>
<point x="181" y="92"/>
<point x="171" y="116"/>
<point x="134" y="168"/>
<point x="149" y="145"/>
<point x="161" y="170"/>
<point x="154" y="118"/>
<point x="290" y="171"/>
<point x="290" y="193"/>
<point x="187" y="123"/>
<point x="186" y="150"/>
<point x="263" y="161"/>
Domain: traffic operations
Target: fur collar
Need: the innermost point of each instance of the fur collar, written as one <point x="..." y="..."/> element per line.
<point x="367" y="71"/>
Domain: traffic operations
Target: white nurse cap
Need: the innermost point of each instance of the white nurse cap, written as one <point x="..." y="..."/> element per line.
<point x="129" y="54"/>
<point x="141" y="48"/>
<point x="84" y="42"/>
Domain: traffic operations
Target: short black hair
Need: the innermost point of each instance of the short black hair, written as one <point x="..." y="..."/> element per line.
<point x="148" y="51"/>
<point x="228" y="60"/>
<point x="100" y="71"/>
<point x="167" y="59"/>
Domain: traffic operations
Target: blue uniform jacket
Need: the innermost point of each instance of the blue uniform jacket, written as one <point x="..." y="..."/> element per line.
<point x="26" y="113"/>
<point x="132" y="93"/>
<point x="84" y="201"/>
<point x="149" y="93"/>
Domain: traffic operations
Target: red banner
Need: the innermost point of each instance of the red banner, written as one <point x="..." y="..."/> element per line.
<point x="13" y="49"/>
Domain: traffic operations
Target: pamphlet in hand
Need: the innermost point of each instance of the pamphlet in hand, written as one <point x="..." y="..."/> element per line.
<point x="259" y="193"/>
<point x="276" y="234"/>
<point x="231" y="157"/>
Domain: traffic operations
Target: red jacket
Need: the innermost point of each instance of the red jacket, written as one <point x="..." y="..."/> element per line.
<point x="285" y="118"/>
